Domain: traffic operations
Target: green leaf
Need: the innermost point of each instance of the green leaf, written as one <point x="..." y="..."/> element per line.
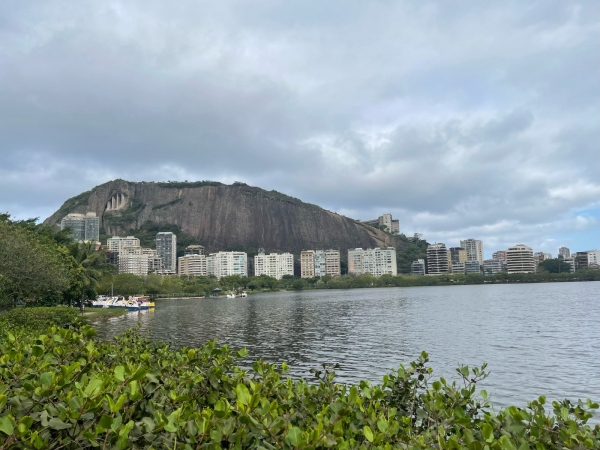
<point x="37" y="351"/>
<point x="488" y="432"/>
<point x="46" y="380"/>
<point x="383" y="425"/>
<point x="11" y="338"/>
<point x="243" y="394"/>
<point x="6" y="425"/>
<point x="56" y="424"/>
<point x="242" y="353"/>
<point x="120" y="373"/>
<point x="139" y="374"/>
<point x="368" y="433"/>
<point x="294" y="436"/>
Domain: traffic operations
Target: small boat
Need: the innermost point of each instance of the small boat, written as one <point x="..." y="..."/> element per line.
<point x="230" y="295"/>
<point x="143" y="302"/>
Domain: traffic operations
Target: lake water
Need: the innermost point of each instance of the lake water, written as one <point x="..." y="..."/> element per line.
<point x="536" y="338"/>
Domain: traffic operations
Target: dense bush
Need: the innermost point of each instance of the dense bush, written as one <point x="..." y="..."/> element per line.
<point x="39" y="319"/>
<point x="64" y="389"/>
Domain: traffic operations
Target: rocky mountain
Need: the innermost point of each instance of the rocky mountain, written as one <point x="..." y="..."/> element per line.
<point x="223" y="216"/>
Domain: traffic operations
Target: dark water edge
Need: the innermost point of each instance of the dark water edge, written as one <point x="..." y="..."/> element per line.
<point x="538" y="339"/>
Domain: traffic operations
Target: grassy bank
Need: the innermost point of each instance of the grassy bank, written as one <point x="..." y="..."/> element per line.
<point x="62" y="388"/>
<point x="94" y="314"/>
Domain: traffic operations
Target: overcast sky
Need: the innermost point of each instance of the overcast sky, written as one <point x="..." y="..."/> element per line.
<point x="462" y="119"/>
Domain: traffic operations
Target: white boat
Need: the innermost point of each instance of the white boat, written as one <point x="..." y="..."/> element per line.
<point x="230" y="295"/>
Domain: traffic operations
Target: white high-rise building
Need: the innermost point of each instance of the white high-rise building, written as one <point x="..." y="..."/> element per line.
<point x="192" y="265"/>
<point x="375" y="261"/>
<point x="274" y="265"/>
<point x="133" y="260"/>
<point x="166" y="249"/>
<point x="474" y="248"/>
<point x="115" y="244"/>
<point x="438" y="259"/>
<point x="564" y="253"/>
<point x="224" y="264"/>
<point x="593" y="258"/>
<point x="519" y="259"/>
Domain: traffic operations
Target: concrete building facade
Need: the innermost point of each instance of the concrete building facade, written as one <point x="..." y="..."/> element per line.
<point x="458" y="268"/>
<point x="84" y="227"/>
<point x="274" y="265"/>
<point x="376" y="261"/>
<point x="458" y="255"/>
<point x="493" y="266"/>
<point x="195" y="249"/>
<point x="474" y="248"/>
<point x="166" y="249"/>
<point x="193" y="265"/>
<point x="438" y="262"/>
<point x="418" y="267"/>
<point x="519" y="259"/>
<point x="391" y="225"/>
<point x="564" y="253"/>
<point x="224" y="264"/>
<point x="472" y="267"/>
<point x="500" y="255"/>
<point x="307" y="264"/>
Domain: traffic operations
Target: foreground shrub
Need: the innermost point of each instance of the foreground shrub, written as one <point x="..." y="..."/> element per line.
<point x="40" y="318"/>
<point x="65" y="389"/>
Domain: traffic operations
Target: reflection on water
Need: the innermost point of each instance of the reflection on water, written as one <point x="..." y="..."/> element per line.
<point x="537" y="338"/>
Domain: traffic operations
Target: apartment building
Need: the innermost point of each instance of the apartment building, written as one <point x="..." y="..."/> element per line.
<point x="458" y="268"/>
<point x="224" y="264"/>
<point x="192" y="265"/>
<point x="418" y="267"/>
<point x="458" y="255"/>
<point x="391" y="225"/>
<point x="318" y="263"/>
<point x="84" y="227"/>
<point x="472" y="267"/>
<point x="133" y="260"/>
<point x="274" y="265"/>
<point x="307" y="264"/>
<point x="593" y="258"/>
<point x="375" y="261"/>
<point x="194" y="249"/>
<point x="581" y="260"/>
<point x="166" y="249"/>
<point x="474" y="248"/>
<point x="438" y="259"/>
<point x="564" y="253"/>
<point x="493" y="266"/>
<point x="500" y="255"/>
<point x="519" y="259"/>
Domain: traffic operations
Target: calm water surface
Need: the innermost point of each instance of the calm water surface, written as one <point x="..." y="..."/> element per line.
<point x="536" y="338"/>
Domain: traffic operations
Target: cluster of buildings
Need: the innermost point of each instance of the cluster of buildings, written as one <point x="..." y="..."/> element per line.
<point x="468" y="259"/>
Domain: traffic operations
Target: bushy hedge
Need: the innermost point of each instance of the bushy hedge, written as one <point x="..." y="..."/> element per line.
<point x="39" y="319"/>
<point x="65" y="389"/>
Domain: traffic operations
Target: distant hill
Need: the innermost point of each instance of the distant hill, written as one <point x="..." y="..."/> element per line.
<point x="223" y="217"/>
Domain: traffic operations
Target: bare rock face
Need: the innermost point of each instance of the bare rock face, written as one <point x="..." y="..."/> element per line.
<point x="223" y="216"/>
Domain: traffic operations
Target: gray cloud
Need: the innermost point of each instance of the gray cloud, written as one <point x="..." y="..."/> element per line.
<point x="471" y="120"/>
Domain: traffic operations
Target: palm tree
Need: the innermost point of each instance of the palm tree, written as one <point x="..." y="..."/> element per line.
<point x="91" y="263"/>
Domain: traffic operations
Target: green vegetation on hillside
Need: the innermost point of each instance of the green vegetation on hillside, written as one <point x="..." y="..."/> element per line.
<point x="416" y="248"/>
<point x="62" y="388"/>
<point x="554" y="266"/>
<point x="188" y="184"/>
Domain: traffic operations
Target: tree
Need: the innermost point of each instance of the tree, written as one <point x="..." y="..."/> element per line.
<point x="555" y="266"/>
<point x="31" y="265"/>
